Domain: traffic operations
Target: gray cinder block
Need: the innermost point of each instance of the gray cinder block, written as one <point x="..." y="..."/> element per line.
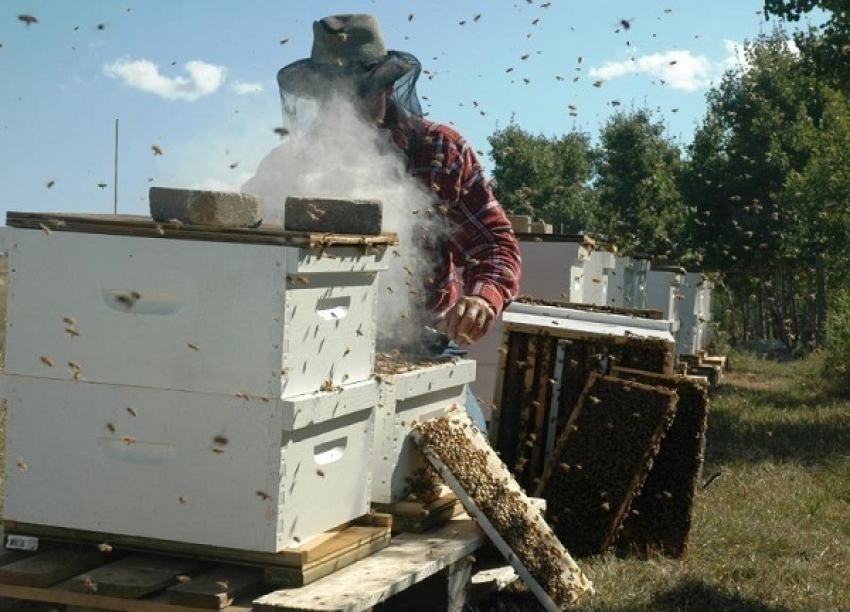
<point x="333" y="215"/>
<point x="218" y="208"/>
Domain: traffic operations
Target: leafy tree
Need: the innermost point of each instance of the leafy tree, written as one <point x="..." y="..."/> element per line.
<point x="826" y="48"/>
<point x="767" y="130"/>
<point x="547" y="178"/>
<point x="642" y="208"/>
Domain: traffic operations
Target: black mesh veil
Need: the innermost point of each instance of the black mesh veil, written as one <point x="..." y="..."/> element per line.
<point x="305" y="85"/>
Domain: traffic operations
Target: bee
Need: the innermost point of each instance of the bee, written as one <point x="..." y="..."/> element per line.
<point x="129" y="440"/>
<point x="193" y="346"/>
<point x="157" y="150"/>
<point x="89" y="584"/>
<point x="298" y="279"/>
<point x="27" y="19"/>
<point x="263" y="495"/>
<point x="22" y="465"/>
<point x="221" y="440"/>
<point x="104" y="547"/>
<point x="243" y="396"/>
<point x="102" y="185"/>
<point x="346" y="351"/>
<point x="128" y="300"/>
<point x="390" y="289"/>
<point x="182" y="499"/>
<point x="284" y="371"/>
<point x="46" y="361"/>
<point x="69" y="320"/>
<point x="45" y="229"/>
<point x="72" y="332"/>
<point x="183" y="579"/>
<point x="131" y="410"/>
<point x="110" y="427"/>
<point x="320" y="473"/>
<point x="281" y="131"/>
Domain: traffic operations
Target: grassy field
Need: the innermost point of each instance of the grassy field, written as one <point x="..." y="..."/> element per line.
<point x="771" y="532"/>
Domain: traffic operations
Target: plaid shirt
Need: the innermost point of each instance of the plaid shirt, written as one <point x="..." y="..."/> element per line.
<point x="482" y="241"/>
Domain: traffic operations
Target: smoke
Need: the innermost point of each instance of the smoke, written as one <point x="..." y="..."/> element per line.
<point x="332" y="152"/>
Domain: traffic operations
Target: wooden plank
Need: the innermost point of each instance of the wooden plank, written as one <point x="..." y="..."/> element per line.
<point x="137" y="225"/>
<point x="200" y="551"/>
<point x="135" y="576"/>
<point x="411" y="558"/>
<point x="46" y="568"/>
<point x="217" y="588"/>
<point x="59" y="594"/>
<point x="298" y="577"/>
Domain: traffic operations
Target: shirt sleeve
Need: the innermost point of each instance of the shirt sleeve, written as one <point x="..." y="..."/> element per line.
<point x="482" y="240"/>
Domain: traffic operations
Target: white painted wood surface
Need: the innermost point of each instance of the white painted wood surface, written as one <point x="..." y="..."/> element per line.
<point x="210" y="317"/>
<point x="406" y="399"/>
<point x="597" y="276"/>
<point x="408" y="560"/>
<point x="188" y="467"/>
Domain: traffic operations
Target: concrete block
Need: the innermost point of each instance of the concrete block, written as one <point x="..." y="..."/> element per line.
<point x="541" y="227"/>
<point x="333" y="215"/>
<point x="218" y="208"/>
<point x="520" y="223"/>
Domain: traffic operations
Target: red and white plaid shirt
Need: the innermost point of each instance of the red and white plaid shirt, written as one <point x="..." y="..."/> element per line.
<point x="482" y="241"/>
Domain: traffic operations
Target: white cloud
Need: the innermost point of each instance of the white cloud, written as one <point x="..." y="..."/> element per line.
<point x="202" y="80"/>
<point x="242" y="88"/>
<point x="680" y="69"/>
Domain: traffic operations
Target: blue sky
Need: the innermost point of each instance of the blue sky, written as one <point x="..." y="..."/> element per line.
<point x="196" y="79"/>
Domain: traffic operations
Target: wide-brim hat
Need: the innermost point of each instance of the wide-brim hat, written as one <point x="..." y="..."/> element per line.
<point x="348" y="50"/>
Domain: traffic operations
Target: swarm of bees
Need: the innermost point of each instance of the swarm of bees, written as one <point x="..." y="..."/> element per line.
<point x="489" y="484"/>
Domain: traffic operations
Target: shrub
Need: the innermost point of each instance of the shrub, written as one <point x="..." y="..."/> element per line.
<point x="838" y="343"/>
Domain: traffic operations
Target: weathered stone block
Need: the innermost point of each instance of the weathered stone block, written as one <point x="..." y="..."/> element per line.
<point x="218" y="208"/>
<point x="333" y="215"/>
<point x="520" y="223"/>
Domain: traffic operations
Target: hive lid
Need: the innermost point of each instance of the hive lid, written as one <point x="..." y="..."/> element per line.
<point x="142" y="226"/>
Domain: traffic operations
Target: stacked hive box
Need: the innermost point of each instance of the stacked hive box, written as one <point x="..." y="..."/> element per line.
<point x="195" y="386"/>
<point x="695" y="314"/>
<point x="411" y="391"/>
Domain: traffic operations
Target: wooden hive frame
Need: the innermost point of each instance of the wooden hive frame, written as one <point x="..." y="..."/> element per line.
<point x="541" y="377"/>
<point x="664" y="508"/>
<point x="602" y="458"/>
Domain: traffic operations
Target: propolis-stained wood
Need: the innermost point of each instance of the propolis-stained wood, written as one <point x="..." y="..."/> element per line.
<point x="601" y="460"/>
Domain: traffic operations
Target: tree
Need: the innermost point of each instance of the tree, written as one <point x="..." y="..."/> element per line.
<point x="825" y="48"/>
<point x="766" y="125"/>
<point x="545" y="177"/>
<point x="641" y="206"/>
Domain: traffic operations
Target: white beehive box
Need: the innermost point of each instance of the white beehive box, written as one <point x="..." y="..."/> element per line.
<point x="186" y="467"/>
<point x="190" y="315"/>
<point x="695" y="313"/>
<point x="627" y="283"/>
<point x="553" y="268"/>
<point x="663" y="291"/>
<point x="408" y="398"/>
<point x="597" y="275"/>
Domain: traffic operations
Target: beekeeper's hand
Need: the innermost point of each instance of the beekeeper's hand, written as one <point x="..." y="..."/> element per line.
<point x="468" y="320"/>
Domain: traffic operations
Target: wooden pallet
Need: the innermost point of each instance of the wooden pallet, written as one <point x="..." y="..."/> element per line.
<point x="413" y="516"/>
<point x="435" y="564"/>
<point x="85" y="575"/>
